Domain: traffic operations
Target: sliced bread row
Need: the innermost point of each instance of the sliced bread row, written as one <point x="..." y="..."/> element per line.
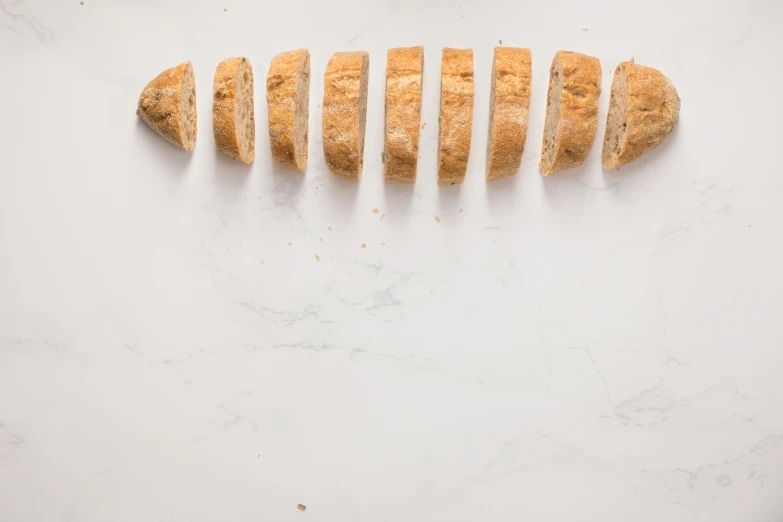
<point x="643" y="109"/>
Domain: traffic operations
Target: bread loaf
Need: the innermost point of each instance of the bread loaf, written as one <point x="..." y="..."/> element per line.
<point x="508" y="110"/>
<point x="404" y="68"/>
<point x="345" y="112"/>
<point x="233" y="118"/>
<point x="456" y="115"/>
<point x="643" y="109"/>
<point x="168" y="105"/>
<point x="288" y="98"/>
<point x="572" y="111"/>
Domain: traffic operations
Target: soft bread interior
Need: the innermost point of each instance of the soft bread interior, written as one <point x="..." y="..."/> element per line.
<point x="244" y="116"/>
<point x="363" y="80"/>
<point x="187" y="105"/>
<point x="491" y="138"/>
<point x="616" y="123"/>
<point x="301" y="114"/>
<point x="553" y="101"/>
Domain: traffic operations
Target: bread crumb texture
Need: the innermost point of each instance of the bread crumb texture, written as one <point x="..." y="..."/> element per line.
<point x="572" y="111"/>
<point x="644" y="108"/>
<point x="168" y="105"/>
<point x="287" y="97"/>
<point x="233" y="113"/>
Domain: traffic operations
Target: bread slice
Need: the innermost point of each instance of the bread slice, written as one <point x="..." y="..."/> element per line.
<point x="571" y="111"/>
<point x="404" y="67"/>
<point x="288" y="99"/>
<point x="168" y="105"/>
<point x="233" y="118"/>
<point x="643" y="109"/>
<point x="509" y="102"/>
<point x="456" y="114"/>
<point x="345" y="112"/>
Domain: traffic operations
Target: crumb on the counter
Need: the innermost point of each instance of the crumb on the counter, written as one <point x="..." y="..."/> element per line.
<point x="500" y="42"/>
<point x="585" y="29"/>
<point x="383" y="158"/>
<point x="81" y="3"/>
<point x="224" y="9"/>
<point x="364" y="245"/>
<point x="423" y="124"/>
<point x="375" y="210"/>
<point x="289" y="243"/>
<point x="437" y="218"/>
<point x="330" y="229"/>
<point x="322" y="240"/>
<point x="460" y="210"/>
<point x="245" y="198"/>
<point x="383" y="243"/>
<point x="383" y="216"/>
<point x="262" y="262"/>
<point x="301" y="507"/>
<point x="462" y="17"/>
<point x="317" y="257"/>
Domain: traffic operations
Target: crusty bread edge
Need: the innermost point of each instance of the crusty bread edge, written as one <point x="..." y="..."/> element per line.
<point x="508" y="115"/>
<point x="224" y="99"/>
<point x="403" y="112"/>
<point x="342" y="114"/>
<point x="160" y="106"/>
<point x="456" y="115"/>
<point x="578" y="122"/>
<point x="286" y="70"/>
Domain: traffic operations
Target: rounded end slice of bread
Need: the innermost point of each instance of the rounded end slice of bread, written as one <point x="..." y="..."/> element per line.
<point x="168" y="105"/>
<point x="345" y="112"/>
<point x="643" y="109"/>
<point x="233" y="117"/>
<point x="572" y="111"/>
<point x="288" y="99"/>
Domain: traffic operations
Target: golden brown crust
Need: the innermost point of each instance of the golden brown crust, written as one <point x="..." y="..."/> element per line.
<point x="285" y="71"/>
<point x="509" y="104"/>
<point x="456" y="114"/>
<point x="160" y="105"/>
<point x="225" y="108"/>
<point x="404" y="68"/>
<point x="344" y="112"/>
<point x="578" y="110"/>
<point x="652" y="109"/>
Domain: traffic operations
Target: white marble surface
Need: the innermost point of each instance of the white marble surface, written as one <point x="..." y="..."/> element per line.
<point x="595" y="346"/>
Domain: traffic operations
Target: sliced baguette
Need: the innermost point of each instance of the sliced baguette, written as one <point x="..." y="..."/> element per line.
<point x="643" y="109"/>
<point x="233" y="118"/>
<point x="345" y="112"/>
<point x="288" y="98"/>
<point x="571" y="112"/>
<point x="404" y="67"/>
<point x="168" y="105"/>
<point x="509" y="103"/>
<point x="456" y="115"/>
